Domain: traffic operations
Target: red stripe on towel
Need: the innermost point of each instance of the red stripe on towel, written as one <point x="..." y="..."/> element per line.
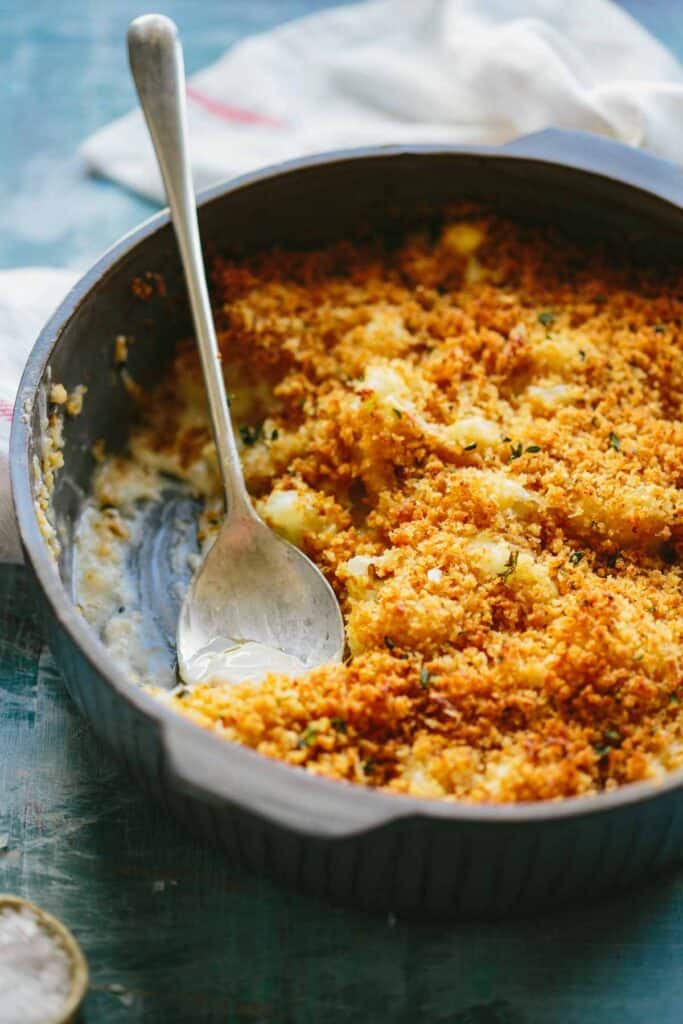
<point x="6" y="409"/>
<point x="228" y="113"/>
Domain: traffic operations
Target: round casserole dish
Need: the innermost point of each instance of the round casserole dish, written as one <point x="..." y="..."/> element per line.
<point x="347" y="843"/>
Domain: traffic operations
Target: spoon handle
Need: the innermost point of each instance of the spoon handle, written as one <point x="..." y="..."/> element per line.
<point x="156" y="61"/>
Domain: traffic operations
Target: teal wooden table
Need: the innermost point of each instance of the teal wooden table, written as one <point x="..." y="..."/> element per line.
<point x="172" y="930"/>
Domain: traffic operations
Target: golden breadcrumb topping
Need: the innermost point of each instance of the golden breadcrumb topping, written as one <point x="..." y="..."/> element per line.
<point x="51" y="460"/>
<point x="476" y="434"/>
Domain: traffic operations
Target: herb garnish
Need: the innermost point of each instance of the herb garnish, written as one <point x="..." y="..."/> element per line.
<point x="389" y="643"/>
<point x="250" y="435"/>
<point x="660" y="329"/>
<point x="575" y="557"/>
<point x="397" y="413"/>
<point x="516" y="451"/>
<point x="308" y="737"/>
<point x="470" y="447"/>
<point x="369" y="766"/>
<point x="611" y="739"/>
<point x="614" y="441"/>
<point x="425" y="676"/>
<point x="510" y="565"/>
<point x="546" y="318"/>
<point x="274" y="434"/>
<point x="339" y="724"/>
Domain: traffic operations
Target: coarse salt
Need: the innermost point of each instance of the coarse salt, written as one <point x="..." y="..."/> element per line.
<point x="35" y="970"/>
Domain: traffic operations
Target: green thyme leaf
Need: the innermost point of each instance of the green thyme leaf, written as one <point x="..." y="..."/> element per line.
<point x="389" y="643"/>
<point x="533" y="448"/>
<point x="308" y="736"/>
<point x="425" y="676"/>
<point x="614" y="441"/>
<point x="339" y="724"/>
<point x="369" y="766"/>
<point x="575" y="557"/>
<point x="274" y="434"/>
<point x="516" y="451"/>
<point x="470" y="447"/>
<point x="250" y="435"/>
<point x="510" y="565"/>
<point x="397" y="413"/>
<point x="546" y="318"/>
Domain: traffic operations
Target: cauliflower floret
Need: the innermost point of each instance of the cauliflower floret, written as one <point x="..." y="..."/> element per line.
<point x="489" y="556"/>
<point x="633" y="514"/>
<point x="294" y="513"/>
<point x="477" y="430"/>
<point x="546" y="397"/>
<point x="463" y="238"/>
<point x="507" y="493"/>
<point x="286" y="513"/>
<point x="558" y="352"/>
<point x="387" y="384"/>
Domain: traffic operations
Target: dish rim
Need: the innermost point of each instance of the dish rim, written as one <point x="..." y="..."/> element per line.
<point x="386" y="806"/>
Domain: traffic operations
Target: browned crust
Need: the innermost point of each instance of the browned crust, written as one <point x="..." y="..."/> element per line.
<point x="559" y="674"/>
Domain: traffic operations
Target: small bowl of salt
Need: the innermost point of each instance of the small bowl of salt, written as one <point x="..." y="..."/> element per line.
<point x="43" y="973"/>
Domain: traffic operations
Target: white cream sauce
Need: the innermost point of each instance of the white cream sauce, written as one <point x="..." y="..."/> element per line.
<point x="245" y="661"/>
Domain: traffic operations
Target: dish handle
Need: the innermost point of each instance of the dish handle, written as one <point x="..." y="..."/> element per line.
<point x="218" y="771"/>
<point x="589" y="152"/>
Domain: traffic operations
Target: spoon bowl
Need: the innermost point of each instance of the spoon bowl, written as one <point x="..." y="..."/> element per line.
<point x="253" y="585"/>
<point x="257" y="604"/>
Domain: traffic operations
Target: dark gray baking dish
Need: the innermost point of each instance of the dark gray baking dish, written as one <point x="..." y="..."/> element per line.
<point x="346" y="843"/>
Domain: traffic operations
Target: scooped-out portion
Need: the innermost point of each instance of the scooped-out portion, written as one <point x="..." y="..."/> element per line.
<point x="476" y="434"/>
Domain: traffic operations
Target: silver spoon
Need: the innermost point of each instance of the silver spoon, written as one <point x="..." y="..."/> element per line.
<point x="255" y="596"/>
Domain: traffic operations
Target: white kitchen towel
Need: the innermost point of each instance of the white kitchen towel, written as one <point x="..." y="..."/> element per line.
<point x="27" y="298"/>
<point x="420" y="71"/>
<point x="383" y="71"/>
